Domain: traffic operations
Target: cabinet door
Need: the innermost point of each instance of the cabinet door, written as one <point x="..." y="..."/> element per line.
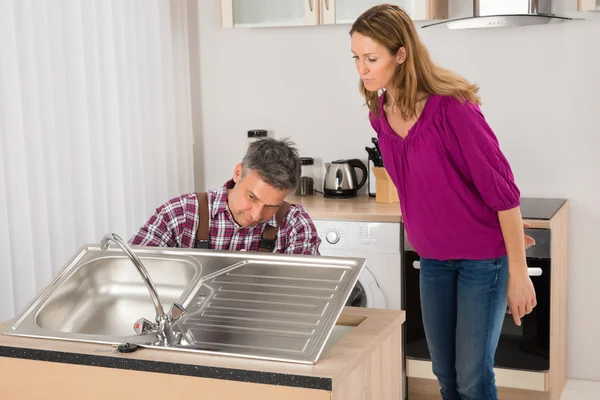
<point x="262" y="13"/>
<point x="588" y="5"/>
<point x="346" y="11"/>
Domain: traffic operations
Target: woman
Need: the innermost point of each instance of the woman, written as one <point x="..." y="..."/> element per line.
<point x="459" y="201"/>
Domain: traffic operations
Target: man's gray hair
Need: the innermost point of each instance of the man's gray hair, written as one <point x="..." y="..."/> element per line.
<point x="276" y="161"/>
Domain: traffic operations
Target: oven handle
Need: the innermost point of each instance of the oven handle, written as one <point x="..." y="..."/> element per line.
<point x="534" y="271"/>
<point x="530" y="271"/>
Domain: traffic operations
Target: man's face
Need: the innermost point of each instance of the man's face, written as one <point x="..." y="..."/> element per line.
<point x="252" y="201"/>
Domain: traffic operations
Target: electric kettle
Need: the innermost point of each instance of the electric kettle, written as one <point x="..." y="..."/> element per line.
<point x="340" y="178"/>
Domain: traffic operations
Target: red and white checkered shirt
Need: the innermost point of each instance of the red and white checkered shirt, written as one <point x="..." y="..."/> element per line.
<point x="174" y="224"/>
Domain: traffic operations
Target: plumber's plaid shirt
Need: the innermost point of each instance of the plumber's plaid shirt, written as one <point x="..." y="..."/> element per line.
<point x="174" y="224"/>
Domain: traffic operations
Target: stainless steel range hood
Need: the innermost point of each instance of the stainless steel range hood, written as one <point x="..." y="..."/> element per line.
<point x="505" y="13"/>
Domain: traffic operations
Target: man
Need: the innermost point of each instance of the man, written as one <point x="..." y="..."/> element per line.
<point x="248" y="213"/>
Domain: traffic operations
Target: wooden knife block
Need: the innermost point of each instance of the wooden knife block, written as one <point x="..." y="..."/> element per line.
<point x="385" y="191"/>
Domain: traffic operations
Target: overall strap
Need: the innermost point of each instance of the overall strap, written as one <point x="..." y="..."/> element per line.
<point x="202" y="240"/>
<point x="269" y="236"/>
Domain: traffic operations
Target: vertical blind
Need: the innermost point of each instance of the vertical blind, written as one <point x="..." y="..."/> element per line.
<point x="95" y="128"/>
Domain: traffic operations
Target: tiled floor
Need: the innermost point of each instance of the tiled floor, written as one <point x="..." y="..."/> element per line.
<point x="581" y="390"/>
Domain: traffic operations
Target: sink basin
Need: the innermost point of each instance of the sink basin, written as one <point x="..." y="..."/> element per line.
<point x="99" y="295"/>
<point x="105" y="296"/>
<point x="246" y="304"/>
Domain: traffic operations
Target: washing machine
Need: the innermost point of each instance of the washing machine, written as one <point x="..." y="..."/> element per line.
<point x="379" y="284"/>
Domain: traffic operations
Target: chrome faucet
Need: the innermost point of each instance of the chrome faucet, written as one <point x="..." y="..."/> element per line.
<point x="164" y="325"/>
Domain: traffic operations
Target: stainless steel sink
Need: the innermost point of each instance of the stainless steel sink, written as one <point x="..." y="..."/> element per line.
<point x="105" y="296"/>
<point x="258" y="305"/>
<point x="98" y="295"/>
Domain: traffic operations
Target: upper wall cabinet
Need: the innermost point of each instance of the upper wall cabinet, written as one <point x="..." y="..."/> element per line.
<point x="263" y="13"/>
<point x="588" y="5"/>
<point x="346" y="11"/>
<point x="253" y="13"/>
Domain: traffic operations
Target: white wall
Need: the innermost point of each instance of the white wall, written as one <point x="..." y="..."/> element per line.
<point x="540" y="87"/>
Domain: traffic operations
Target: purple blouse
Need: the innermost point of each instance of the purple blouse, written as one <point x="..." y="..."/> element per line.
<point x="452" y="179"/>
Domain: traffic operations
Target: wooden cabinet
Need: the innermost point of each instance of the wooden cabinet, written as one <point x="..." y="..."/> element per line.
<point x="273" y="13"/>
<point x="366" y="362"/>
<point x="263" y="13"/>
<point x="346" y="11"/>
<point x="588" y="5"/>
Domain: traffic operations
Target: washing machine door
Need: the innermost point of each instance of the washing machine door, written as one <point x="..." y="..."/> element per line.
<point x="366" y="292"/>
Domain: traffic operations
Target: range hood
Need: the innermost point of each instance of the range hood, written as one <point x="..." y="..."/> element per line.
<point x="505" y="13"/>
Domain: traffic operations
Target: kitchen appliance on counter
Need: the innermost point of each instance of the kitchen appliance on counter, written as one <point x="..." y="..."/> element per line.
<point x="341" y="180"/>
<point x="525" y="347"/>
<point x="306" y="186"/>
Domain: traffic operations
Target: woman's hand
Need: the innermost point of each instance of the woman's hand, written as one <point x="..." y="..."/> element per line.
<point x="529" y="241"/>
<point x="520" y="294"/>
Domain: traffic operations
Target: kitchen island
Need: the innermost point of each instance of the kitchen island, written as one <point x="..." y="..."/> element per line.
<point x="364" y="363"/>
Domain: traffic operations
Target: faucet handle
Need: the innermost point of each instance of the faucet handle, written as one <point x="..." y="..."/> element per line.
<point x="176" y="311"/>
<point x="143" y="326"/>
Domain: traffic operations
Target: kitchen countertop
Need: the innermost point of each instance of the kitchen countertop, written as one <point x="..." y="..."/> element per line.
<point x="361" y="208"/>
<point x="536" y="211"/>
<point x="540" y="208"/>
<point x="371" y="327"/>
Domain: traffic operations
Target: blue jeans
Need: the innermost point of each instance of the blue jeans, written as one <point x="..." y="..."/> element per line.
<point x="463" y="304"/>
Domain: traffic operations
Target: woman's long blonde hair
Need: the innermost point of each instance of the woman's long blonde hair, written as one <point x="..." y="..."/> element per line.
<point x="390" y="26"/>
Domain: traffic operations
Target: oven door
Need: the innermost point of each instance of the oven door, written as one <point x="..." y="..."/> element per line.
<point x="524" y="347"/>
<point x="527" y="347"/>
<point x="416" y="344"/>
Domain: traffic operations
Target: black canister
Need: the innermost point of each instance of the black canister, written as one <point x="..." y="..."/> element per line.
<point x="256" y="134"/>
<point x="306" y="186"/>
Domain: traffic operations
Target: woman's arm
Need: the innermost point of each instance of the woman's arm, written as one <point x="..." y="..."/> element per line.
<point x="520" y="292"/>
<point x="490" y="171"/>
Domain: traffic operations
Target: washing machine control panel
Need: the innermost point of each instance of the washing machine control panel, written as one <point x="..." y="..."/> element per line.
<point x="368" y="236"/>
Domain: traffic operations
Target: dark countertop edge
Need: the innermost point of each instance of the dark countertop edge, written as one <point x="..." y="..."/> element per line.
<point x="562" y="204"/>
<point x="558" y="204"/>
<point x="200" y="371"/>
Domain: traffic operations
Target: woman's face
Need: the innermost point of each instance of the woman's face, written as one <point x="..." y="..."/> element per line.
<point x="374" y="63"/>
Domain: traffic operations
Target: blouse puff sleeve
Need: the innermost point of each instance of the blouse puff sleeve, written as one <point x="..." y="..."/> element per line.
<point x="476" y="148"/>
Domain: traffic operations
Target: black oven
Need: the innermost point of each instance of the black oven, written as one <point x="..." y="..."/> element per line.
<point x="524" y="347"/>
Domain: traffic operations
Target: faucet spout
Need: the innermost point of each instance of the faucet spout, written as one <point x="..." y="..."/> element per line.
<point x="161" y="317"/>
<point x="164" y="328"/>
